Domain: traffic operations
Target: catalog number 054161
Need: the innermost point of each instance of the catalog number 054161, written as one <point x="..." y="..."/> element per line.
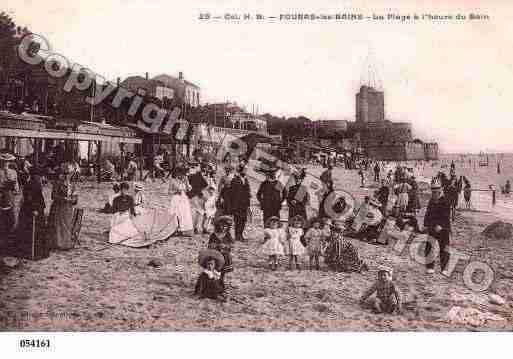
<point x="35" y="343"/>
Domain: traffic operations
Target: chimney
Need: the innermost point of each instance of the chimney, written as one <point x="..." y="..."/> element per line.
<point x="180" y="75"/>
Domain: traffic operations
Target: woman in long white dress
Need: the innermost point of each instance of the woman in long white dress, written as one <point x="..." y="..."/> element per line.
<point x="180" y="205"/>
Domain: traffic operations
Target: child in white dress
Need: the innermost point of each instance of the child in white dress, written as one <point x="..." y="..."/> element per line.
<point x="210" y="209"/>
<point x="274" y="237"/>
<point x="294" y="246"/>
<point x="198" y="212"/>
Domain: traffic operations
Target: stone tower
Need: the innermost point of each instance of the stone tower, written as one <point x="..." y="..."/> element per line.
<point x="370" y="101"/>
<point x="370" y="105"/>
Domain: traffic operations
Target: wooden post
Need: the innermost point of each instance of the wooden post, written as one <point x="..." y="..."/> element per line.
<point x="152" y="156"/>
<point x="141" y="156"/>
<point x="98" y="162"/>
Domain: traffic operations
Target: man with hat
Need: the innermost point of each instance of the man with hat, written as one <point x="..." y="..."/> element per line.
<point x="198" y="181"/>
<point x="297" y="196"/>
<point x="270" y="195"/>
<point x="437" y="223"/>
<point x="382" y="195"/>
<point x="327" y="176"/>
<point x="240" y="198"/>
<point x="226" y="178"/>
<point x="33" y="207"/>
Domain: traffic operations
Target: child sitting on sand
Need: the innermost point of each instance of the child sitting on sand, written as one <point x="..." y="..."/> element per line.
<point x="209" y="283"/>
<point x="294" y="246"/>
<point x="314" y="242"/>
<point x="274" y="237"/>
<point x="388" y="297"/>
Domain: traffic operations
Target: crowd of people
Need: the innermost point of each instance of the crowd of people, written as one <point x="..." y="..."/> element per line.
<point x="23" y="207"/>
<point x="201" y="203"/>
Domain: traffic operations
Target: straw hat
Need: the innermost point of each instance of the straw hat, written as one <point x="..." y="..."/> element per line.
<point x="386" y="269"/>
<point x="297" y="218"/>
<point x="6" y="157"/>
<point x="375" y="202"/>
<point x="207" y="254"/>
<point x="270" y="220"/>
<point x="436" y="184"/>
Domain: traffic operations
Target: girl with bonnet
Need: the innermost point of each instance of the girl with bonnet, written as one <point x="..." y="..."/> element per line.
<point x="221" y="240"/>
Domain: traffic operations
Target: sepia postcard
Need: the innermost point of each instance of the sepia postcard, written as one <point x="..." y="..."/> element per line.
<point x="255" y="166"/>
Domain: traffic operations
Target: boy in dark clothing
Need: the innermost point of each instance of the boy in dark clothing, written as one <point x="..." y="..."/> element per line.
<point x="437" y="223"/>
<point x="270" y="196"/>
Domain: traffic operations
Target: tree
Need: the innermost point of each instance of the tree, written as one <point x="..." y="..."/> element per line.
<point x="7" y="54"/>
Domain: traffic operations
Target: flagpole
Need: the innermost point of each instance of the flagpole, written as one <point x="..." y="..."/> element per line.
<point x="92" y="102"/>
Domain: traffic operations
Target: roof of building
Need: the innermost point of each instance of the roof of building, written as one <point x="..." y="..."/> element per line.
<point x="136" y="82"/>
<point x="169" y="80"/>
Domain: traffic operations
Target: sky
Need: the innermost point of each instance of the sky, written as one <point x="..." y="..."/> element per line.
<point x="451" y="79"/>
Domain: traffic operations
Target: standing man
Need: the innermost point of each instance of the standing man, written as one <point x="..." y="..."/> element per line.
<point x="376" y="172"/>
<point x="198" y="181"/>
<point x="437" y="223"/>
<point x="297" y="196"/>
<point x="270" y="196"/>
<point x="226" y="178"/>
<point x="240" y="197"/>
<point x="327" y="176"/>
<point x="382" y="196"/>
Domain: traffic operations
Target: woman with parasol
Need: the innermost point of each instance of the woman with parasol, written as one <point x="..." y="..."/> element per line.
<point x="209" y="284"/>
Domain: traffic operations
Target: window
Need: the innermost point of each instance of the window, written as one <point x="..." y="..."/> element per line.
<point x="161" y="92"/>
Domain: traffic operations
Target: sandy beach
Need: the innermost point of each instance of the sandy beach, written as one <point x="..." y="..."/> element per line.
<point x="103" y="287"/>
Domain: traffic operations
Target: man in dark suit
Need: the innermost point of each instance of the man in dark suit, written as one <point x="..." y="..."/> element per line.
<point x="270" y="196"/>
<point x="297" y="196"/>
<point x="240" y="198"/>
<point x="198" y="181"/>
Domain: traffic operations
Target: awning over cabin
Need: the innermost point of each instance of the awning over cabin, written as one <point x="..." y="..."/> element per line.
<point x="34" y="126"/>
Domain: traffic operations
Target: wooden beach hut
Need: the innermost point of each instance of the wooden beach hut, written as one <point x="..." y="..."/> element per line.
<point x="25" y="134"/>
